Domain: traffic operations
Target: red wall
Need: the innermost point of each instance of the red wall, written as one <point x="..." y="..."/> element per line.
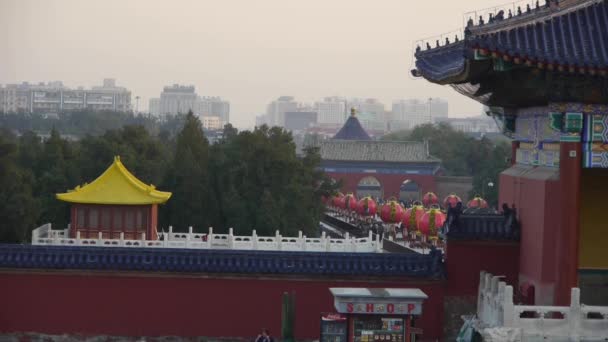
<point x="537" y="200"/>
<point x="391" y="184"/>
<point x="466" y="259"/>
<point x="57" y="302"/>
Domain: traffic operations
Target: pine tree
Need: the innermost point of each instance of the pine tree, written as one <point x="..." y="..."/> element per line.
<point x="188" y="179"/>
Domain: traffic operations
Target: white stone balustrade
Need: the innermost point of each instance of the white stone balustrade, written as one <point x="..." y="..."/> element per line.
<point x="45" y="235"/>
<point x="577" y="322"/>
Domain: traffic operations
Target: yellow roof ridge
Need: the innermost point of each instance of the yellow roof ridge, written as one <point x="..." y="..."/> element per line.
<point x="116" y="185"/>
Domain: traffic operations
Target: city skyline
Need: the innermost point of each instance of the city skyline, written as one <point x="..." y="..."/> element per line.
<point x="355" y="49"/>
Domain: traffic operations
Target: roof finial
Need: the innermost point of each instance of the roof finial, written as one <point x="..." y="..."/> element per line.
<point x="352" y="111"/>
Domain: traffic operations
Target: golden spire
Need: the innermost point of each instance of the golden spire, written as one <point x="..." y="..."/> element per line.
<point x="352" y="111"/>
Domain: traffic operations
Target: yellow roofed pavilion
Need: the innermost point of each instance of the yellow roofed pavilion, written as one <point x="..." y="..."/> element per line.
<point x="116" y="186"/>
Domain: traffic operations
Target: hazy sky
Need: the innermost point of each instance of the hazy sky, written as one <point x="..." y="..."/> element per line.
<point x="246" y="51"/>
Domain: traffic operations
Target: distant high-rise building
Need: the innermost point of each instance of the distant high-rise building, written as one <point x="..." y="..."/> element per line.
<point x="275" y="111"/>
<point x="300" y="120"/>
<point x="409" y="113"/>
<point x="213" y="106"/>
<point x="332" y="110"/>
<point x="179" y="99"/>
<point x="212" y="122"/>
<point x="54" y="97"/>
<point x="154" y="106"/>
<point x="477" y="124"/>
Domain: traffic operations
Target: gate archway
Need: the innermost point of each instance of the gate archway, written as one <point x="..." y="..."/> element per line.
<point x="369" y="186"/>
<point x="409" y="191"/>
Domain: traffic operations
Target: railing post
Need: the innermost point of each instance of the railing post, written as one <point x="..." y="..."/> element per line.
<point x="143" y="238"/>
<point x="231" y="238"/>
<point x="574" y="316"/>
<point x="210" y="238"/>
<point x="254" y="239"/>
<point x="480" y="299"/>
<point x="99" y="237"/>
<point x="301" y="242"/>
<point x="378" y="244"/>
<point x="170" y="231"/>
<point x="35" y="236"/>
<point x="508" y="307"/>
<point x="189" y="236"/>
<point x="77" y="237"/>
<point x="278" y="239"/>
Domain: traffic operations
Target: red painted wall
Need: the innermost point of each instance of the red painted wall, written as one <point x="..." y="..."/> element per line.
<point x="391" y="184"/>
<point x="466" y="259"/>
<point x="537" y="199"/>
<point x="138" y="304"/>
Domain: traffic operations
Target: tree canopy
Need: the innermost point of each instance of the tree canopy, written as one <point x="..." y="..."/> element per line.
<point x="248" y="180"/>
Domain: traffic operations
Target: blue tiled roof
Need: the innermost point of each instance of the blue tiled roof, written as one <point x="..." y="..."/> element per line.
<point x="220" y="261"/>
<point x="352" y="130"/>
<point x="572" y="38"/>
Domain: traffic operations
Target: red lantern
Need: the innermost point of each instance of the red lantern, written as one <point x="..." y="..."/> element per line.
<point x="350" y="202"/>
<point x="367" y="207"/>
<point x="431" y="222"/>
<point x="392" y="212"/>
<point x="412" y="216"/>
<point x="338" y="200"/>
<point x="477" y="202"/>
<point x="429" y="199"/>
<point x="450" y="201"/>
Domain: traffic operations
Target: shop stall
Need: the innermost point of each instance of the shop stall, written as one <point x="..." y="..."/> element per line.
<point x="373" y="315"/>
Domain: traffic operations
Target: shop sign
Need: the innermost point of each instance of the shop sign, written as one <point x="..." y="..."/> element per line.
<point x="379" y="308"/>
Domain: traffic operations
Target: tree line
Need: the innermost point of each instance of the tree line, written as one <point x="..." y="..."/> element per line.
<point x="248" y="180"/>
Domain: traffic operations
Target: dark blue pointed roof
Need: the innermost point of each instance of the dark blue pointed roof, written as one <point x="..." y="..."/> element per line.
<point x="565" y="36"/>
<point x="352" y="130"/>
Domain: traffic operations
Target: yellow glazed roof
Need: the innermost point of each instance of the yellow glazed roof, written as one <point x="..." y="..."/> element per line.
<point x="116" y="186"/>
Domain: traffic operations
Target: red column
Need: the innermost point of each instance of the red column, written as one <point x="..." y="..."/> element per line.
<point x="570" y="183"/>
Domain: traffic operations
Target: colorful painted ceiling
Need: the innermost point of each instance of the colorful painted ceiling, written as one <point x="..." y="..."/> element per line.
<point x="553" y="52"/>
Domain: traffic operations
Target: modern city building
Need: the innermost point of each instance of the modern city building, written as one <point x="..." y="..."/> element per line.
<point x="300" y="120"/>
<point x="275" y="111"/>
<point x="54" y="97"/>
<point x="409" y="113"/>
<point x="180" y="99"/>
<point x="477" y="124"/>
<point x="212" y="122"/>
<point x="332" y="110"/>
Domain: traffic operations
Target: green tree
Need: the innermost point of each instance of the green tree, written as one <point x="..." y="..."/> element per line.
<point x="188" y="179"/>
<point x="19" y="210"/>
<point x="55" y="174"/>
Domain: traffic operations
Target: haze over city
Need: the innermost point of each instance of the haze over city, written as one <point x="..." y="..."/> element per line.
<point x="249" y="53"/>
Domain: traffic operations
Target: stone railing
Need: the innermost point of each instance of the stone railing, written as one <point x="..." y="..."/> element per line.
<point x="577" y="322"/>
<point x="44" y="235"/>
<point x="199" y="260"/>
